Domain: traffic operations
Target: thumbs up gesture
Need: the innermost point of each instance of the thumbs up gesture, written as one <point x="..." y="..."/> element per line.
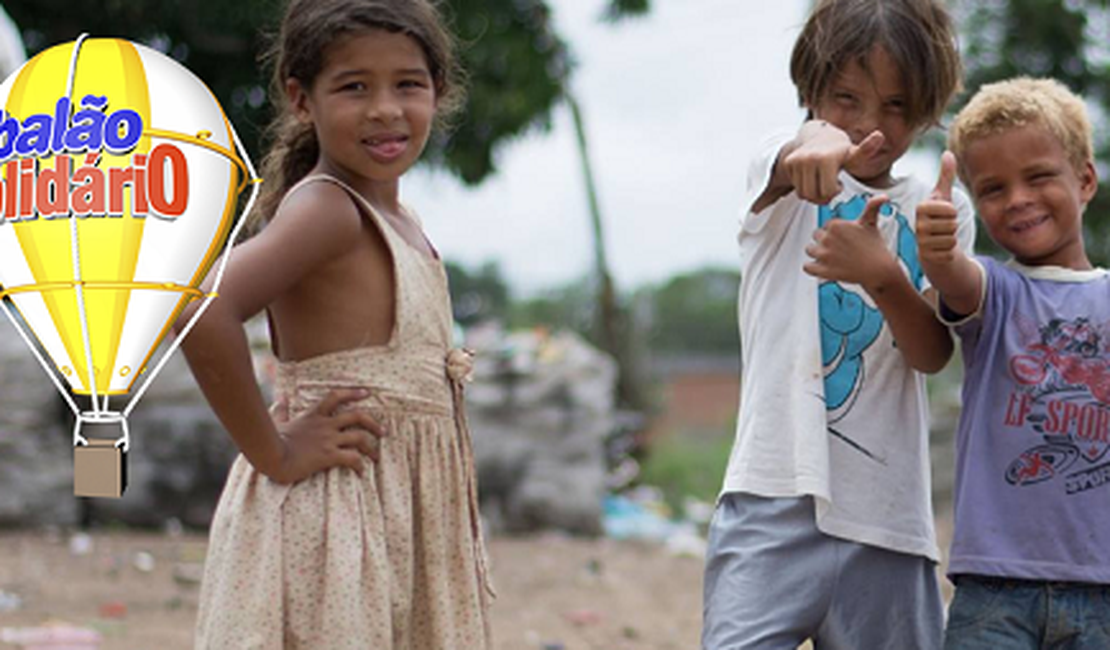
<point x="821" y="150"/>
<point x="853" y="251"/>
<point x="936" y="218"/>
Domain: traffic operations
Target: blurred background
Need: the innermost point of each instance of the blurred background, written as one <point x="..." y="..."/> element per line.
<point x="586" y="202"/>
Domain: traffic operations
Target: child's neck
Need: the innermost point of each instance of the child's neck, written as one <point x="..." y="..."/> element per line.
<point x="883" y="181"/>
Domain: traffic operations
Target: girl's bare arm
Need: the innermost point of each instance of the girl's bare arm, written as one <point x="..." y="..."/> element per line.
<point x="315" y="226"/>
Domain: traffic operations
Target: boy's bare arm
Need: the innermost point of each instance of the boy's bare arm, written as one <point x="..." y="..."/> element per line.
<point x="952" y="273"/>
<point x="923" y="340"/>
<point x="811" y="163"/>
<point x="855" y="252"/>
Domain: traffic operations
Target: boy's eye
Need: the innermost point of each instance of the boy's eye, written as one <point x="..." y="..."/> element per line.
<point x="844" y="98"/>
<point x="353" y="86"/>
<point x="896" y="106"/>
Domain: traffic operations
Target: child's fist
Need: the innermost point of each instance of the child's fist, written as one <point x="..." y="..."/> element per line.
<point x="814" y="165"/>
<point x="936" y="217"/>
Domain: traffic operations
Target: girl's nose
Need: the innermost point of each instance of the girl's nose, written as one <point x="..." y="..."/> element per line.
<point x="384" y="109"/>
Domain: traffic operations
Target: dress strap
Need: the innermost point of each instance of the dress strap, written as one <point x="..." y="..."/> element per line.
<point x="359" y="199"/>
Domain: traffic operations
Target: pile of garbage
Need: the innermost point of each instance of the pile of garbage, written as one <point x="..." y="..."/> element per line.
<point x="541" y="409"/>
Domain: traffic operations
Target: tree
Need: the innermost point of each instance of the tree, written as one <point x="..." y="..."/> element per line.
<point x="1065" y="39"/>
<point x="696" y="312"/>
<point x="478" y="295"/>
<point x="518" y="66"/>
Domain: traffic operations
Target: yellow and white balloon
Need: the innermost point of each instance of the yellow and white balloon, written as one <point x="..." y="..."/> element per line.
<point x="120" y="177"/>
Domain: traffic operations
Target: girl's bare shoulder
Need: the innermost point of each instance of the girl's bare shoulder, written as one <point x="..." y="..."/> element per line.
<point x="319" y="205"/>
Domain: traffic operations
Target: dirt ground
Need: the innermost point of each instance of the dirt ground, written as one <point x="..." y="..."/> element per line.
<point x="139" y="590"/>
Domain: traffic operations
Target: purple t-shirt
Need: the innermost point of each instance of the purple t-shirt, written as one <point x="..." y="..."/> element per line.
<point x="1032" y="493"/>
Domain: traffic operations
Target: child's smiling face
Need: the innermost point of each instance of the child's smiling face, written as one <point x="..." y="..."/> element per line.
<point x="1030" y="196"/>
<point x="372" y="105"/>
<point x="864" y="99"/>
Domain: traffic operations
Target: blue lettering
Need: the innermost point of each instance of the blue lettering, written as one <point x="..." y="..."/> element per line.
<point x="132" y="127"/>
<point x="61" y="121"/>
<point x="35" y="137"/>
<point x="91" y="129"/>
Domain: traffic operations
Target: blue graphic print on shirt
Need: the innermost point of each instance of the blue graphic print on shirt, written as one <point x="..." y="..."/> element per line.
<point x="848" y="324"/>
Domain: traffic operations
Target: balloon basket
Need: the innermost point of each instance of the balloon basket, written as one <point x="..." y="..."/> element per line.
<point x="100" y="464"/>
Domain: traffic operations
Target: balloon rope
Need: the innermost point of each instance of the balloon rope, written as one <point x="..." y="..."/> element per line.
<point x="75" y="246"/>
<point x="254" y="181"/>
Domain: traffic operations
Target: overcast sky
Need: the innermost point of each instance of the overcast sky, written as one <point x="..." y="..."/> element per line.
<point x="674" y="105"/>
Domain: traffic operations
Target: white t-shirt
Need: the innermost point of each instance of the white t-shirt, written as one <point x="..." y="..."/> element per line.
<point x="828" y="405"/>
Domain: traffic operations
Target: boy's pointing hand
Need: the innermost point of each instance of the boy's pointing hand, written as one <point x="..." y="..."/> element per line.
<point x="821" y="152"/>
<point x="936" y="217"/>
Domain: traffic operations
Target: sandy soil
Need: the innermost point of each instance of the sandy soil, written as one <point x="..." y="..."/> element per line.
<point x="140" y="591"/>
<point x="554" y="593"/>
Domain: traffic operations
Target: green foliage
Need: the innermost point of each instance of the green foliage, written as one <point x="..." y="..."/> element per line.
<point x="621" y="9"/>
<point x="220" y="44"/>
<point x="687" y="464"/>
<point x="518" y="66"/>
<point x="695" y="312"/>
<point x="568" y="307"/>
<point x="518" y="69"/>
<point x="1065" y="39"/>
<point x="478" y="295"/>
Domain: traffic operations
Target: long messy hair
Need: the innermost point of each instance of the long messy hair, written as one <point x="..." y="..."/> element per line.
<point x="917" y="34"/>
<point x="300" y="51"/>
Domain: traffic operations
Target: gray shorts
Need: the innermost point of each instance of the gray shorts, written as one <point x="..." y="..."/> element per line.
<point x="773" y="580"/>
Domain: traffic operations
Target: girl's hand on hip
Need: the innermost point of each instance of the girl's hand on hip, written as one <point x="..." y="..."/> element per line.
<point x="325" y="436"/>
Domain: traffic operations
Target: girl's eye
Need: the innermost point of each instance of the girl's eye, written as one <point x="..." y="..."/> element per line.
<point x="354" y="86"/>
<point x="412" y="83"/>
<point x="896" y="106"/>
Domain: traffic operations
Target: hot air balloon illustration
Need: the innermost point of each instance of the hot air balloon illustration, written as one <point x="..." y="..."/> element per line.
<point x="120" y="179"/>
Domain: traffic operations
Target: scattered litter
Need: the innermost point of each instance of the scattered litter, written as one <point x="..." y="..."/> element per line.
<point x="80" y="544"/>
<point x="174" y="528"/>
<point x="685" y="541"/>
<point x="113" y="609"/>
<point x="698" y="511"/>
<point x="9" y="602"/>
<point x="188" y="574"/>
<point x="144" y="561"/>
<point x="624" y="518"/>
<point x="583" y="617"/>
<point x="53" y="637"/>
<point x="641" y="515"/>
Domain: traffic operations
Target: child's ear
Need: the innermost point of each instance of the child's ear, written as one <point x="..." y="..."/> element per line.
<point x="298" y="100"/>
<point x="1088" y="182"/>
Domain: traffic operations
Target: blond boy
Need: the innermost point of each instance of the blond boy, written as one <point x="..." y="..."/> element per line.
<point x="1030" y="554"/>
